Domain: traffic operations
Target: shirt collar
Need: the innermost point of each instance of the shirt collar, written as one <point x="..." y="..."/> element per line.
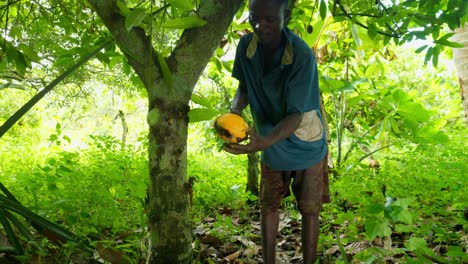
<point x="288" y="51"/>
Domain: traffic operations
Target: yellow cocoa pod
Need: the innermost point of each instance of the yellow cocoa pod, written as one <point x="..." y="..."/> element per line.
<point x="231" y="128"/>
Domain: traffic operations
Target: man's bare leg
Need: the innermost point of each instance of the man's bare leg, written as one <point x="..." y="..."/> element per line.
<point x="269" y="228"/>
<point x="310" y="236"/>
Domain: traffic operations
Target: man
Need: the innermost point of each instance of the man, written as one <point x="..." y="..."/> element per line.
<point x="278" y="77"/>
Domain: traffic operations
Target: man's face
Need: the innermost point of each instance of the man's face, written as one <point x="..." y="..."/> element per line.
<point x="267" y="19"/>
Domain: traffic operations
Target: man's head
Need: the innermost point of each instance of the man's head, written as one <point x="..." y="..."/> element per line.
<point x="267" y="19"/>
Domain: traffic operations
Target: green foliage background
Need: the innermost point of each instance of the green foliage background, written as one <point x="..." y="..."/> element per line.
<point x="66" y="160"/>
<point x="86" y="180"/>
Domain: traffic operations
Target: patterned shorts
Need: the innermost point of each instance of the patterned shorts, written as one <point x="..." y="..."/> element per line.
<point x="310" y="187"/>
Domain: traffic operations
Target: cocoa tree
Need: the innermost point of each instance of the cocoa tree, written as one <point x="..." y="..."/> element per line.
<point x="169" y="84"/>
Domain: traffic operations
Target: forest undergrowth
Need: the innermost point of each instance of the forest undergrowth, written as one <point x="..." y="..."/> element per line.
<point x="410" y="209"/>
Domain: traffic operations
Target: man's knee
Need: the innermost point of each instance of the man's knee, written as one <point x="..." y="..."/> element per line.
<point x="268" y="207"/>
<point x="309" y="208"/>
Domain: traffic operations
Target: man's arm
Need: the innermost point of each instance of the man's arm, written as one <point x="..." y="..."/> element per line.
<point x="240" y="100"/>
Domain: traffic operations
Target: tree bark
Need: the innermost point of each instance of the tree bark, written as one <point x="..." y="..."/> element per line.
<point x="460" y="58"/>
<point x="170" y="231"/>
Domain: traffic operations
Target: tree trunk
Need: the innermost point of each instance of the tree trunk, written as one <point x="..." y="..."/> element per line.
<point x="252" y="173"/>
<point x="170" y="231"/>
<point x="460" y="58"/>
<point x="169" y="222"/>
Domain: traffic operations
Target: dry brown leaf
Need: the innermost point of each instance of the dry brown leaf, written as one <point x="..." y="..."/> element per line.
<point x="252" y="250"/>
<point x="356" y="247"/>
<point x="211" y="240"/>
<point x="332" y="250"/>
<point x="233" y="256"/>
<point x="200" y="230"/>
<point x="112" y="255"/>
<point x="211" y="251"/>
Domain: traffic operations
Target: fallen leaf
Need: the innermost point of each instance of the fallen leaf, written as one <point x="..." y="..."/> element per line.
<point x="233" y="256"/>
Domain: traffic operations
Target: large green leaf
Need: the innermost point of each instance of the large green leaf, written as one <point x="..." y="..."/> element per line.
<point x="184" y="23"/>
<point x="124" y="10"/>
<point x="203" y="101"/>
<point x="414" y="111"/>
<point x="323" y="9"/>
<point x="377" y="227"/>
<point x="182" y="4"/>
<point x="134" y="18"/>
<point x="429" y="134"/>
<point x="417" y="244"/>
<point x="202" y="114"/>
<point x="330" y="85"/>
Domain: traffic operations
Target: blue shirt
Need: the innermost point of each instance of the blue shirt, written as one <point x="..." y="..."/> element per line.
<point x="290" y="86"/>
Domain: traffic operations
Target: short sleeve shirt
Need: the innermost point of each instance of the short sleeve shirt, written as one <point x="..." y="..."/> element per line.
<point x="290" y="86"/>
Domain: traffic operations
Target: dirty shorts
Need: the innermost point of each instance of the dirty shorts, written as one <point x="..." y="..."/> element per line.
<point x="310" y="187"/>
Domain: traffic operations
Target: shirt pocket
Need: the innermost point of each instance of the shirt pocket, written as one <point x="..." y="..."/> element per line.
<point x="311" y="128"/>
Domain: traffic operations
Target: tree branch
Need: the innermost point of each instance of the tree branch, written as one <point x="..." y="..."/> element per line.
<point x="135" y="44"/>
<point x="348" y="15"/>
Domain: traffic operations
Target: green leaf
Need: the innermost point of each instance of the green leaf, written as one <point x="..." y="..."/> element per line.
<point x="377" y="227"/>
<point x="124" y="10"/>
<point x="330" y="85"/>
<point x="10" y="233"/>
<point x="404" y="202"/>
<point x="417" y="244"/>
<point x="405" y="216"/>
<point x="323" y="9"/>
<point x="372" y="31"/>
<point x="355" y="32"/>
<point x="202" y="114"/>
<point x="450" y="44"/>
<point x="134" y="18"/>
<point x="317" y="28"/>
<point x="203" y="101"/>
<point x="428" y="134"/>
<point x="428" y="56"/>
<point x="375" y="209"/>
<point x="435" y="56"/>
<point x="414" y="111"/>
<point x="420" y="49"/>
<point x="58" y="128"/>
<point x="182" y="4"/>
<point x="166" y="72"/>
<point x="67" y="139"/>
<point x="456" y="251"/>
<point x="53" y="137"/>
<point x="64" y="61"/>
<point x="184" y="23"/>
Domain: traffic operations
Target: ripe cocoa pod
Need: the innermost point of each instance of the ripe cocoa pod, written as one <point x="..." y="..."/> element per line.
<point x="231" y="128"/>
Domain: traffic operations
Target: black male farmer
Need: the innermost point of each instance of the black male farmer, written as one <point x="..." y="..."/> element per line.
<point x="278" y="77"/>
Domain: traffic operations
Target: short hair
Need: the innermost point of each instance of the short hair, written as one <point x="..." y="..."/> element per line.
<point x="283" y="2"/>
<point x="280" y="2"/>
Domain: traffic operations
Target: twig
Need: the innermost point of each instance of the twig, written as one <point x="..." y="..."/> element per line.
<point x="372" y="152"/>
<point x="345" y="13"/>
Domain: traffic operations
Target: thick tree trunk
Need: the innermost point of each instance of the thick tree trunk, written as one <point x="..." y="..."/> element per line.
<point x="169" y="221"/>
<point x="170" y="231"/>
<point x="460" y="58"/>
